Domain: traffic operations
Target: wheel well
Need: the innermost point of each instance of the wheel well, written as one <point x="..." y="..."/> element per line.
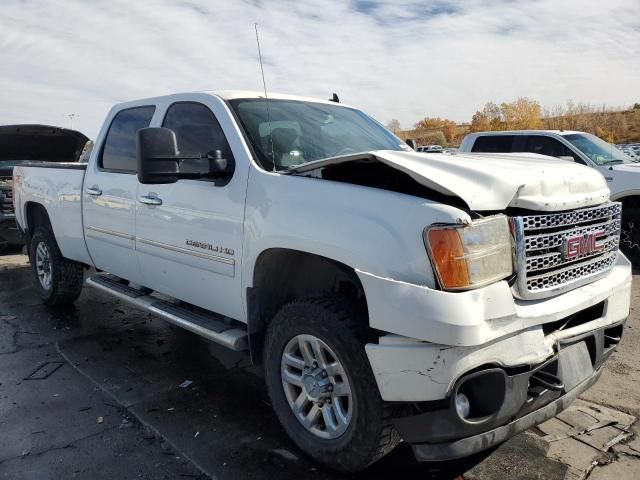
<point x="35" y="215"/>
<point x="282" y="275"/>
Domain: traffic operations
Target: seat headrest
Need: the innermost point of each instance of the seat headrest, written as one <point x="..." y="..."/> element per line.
<point x="284" y="138"/>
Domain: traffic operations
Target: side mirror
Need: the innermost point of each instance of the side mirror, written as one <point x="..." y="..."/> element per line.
<point x="157" y="155"/>
<point x="219" y="165"/>
<point x="412" y="143"/>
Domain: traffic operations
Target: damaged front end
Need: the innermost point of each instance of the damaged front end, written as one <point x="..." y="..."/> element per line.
<point x="474" y="368"/>
<point x="491" y="404"/>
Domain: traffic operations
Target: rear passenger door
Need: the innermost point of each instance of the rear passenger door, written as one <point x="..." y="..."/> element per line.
<point x="189" y="237"/>
<point x="545" y="145"/>
<point x="109" y="198"/>
<point x="494" y="144"/>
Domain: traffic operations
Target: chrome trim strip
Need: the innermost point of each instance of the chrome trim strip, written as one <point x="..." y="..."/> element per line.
<point x="109" y="232"/>
<point x="208" y="256"/>
<point x="574" y="217"/>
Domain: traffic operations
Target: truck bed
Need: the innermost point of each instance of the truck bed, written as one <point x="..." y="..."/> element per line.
<point x="57" y="187"/>
<point x="59" y="165"/>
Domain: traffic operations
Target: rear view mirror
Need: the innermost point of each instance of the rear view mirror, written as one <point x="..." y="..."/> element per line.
<point x="157" y="155"/>
<point x="412" y="143"/>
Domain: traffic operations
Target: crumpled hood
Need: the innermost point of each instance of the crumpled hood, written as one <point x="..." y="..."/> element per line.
<point x="498" y="181"/>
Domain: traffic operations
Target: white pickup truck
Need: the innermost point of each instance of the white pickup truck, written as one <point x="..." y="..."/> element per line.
<point x="448" y="301"/>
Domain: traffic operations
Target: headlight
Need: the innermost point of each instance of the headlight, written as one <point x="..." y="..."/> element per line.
<point x="470" y="256"/>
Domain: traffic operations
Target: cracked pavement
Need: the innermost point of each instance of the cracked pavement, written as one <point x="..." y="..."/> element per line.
<point x="120" y="405"/>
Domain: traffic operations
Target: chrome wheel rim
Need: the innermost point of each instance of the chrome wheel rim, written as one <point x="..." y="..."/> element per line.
<point x="316" y="386"/>
<point x="43" y="265"/>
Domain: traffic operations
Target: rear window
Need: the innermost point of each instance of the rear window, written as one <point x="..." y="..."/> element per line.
<point x="119" y="152"/>
<point x="494" y="144"/>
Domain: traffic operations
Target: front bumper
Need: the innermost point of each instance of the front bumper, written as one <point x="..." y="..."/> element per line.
<point x="519" y="363"/>
<point x="508" y="402"/>
<point x="470" y="334"/>
<point x="465" y="446"/>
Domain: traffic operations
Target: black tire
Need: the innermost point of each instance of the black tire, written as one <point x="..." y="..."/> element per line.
<point x="66" y="276"/>
<point x="630" y="235"/>
<point x="369" y="435"/>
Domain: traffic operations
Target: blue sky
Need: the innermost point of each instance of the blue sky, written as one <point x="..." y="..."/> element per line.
<point x="393" y="59"/>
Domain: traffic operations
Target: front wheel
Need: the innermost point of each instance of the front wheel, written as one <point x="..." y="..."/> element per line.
<point x="322" y="387"/>
<point x="58" y="280"/>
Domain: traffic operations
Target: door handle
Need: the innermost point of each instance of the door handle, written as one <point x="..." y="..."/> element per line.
<point x="95" y="191"/>
<point x="150" y="200"/>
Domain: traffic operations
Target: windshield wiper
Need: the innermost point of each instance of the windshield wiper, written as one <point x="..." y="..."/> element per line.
<point x="323" y="162"/>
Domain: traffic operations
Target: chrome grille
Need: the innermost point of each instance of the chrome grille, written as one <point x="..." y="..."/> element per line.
<point x="559" y="251"/>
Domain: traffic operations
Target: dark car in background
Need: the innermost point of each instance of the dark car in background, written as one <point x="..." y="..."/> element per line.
<point x="20" y="144"/>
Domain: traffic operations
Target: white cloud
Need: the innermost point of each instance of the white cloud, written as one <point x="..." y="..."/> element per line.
<point x="393" y="59"/>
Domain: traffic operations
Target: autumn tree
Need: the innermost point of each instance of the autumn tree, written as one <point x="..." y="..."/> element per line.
<point x="494" y="115"/>
<point x="480" y="122"/>
<point x="446" y="126"/>
<point x="523" y="114"/>
<point x="428" y="123"/>
<point x="449" y="130"/>
<point x="393" y="125"/>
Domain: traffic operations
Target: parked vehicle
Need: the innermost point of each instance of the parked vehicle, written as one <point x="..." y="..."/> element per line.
<point x="451" y="303"/>
<point x="430" y="149"/>
<point x="23" y="143"/>
<point x="620" y="170"/>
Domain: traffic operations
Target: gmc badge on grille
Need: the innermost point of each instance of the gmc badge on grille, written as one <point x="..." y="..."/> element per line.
<point x="582" y="245"/>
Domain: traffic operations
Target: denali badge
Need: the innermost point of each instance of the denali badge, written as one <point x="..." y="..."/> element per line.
<point x="581" y="245"/>
<point x="208" y="246"/>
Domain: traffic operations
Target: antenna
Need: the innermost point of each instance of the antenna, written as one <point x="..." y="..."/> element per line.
<point x="266" y="98"/>
<point x="71" y="117"/>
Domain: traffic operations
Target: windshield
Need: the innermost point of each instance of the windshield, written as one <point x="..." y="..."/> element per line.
<point x="296" y="132"/>
<point x="598" y="150"/>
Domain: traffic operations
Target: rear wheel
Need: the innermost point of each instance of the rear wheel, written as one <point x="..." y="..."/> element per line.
<point x="322" y="387"/>
<point x="58" y="280"/>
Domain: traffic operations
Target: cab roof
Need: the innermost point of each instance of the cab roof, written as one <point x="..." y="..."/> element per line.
<point x="525" y="132"/>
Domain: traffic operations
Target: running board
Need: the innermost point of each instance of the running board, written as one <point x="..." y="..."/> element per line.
<point x="206" y="324"/>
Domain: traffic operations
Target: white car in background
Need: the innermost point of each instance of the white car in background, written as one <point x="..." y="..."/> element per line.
<point x="430" y="149"/>
<point x="619" y="169"/>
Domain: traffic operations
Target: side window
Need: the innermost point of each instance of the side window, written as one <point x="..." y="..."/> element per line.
<point x="493" y="144"/>
<point x="119" y="152"/>
<point x="549" y="146"/>
<point x="197" y="131"/>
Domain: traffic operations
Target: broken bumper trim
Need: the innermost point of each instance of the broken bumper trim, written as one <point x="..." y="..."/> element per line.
<point x="464" y="447"/>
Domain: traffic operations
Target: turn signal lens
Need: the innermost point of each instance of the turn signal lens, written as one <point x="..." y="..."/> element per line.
<point x="473" y="255"/>
<point x="448" y="257"/>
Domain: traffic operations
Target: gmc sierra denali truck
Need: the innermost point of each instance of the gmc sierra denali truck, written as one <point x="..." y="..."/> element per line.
<point x="20" y="144"/>
<point x="447" y="301"/>
<point x="584" y="148"/>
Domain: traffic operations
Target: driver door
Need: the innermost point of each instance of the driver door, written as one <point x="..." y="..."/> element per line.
<point x="189" y="233"/>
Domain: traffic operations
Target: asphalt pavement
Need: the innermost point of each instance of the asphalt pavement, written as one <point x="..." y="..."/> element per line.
<point x="104" y="391"/>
